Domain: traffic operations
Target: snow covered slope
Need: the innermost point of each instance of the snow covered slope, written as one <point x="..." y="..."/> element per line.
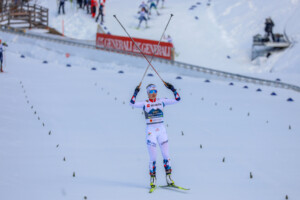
<point x="56" y="121"/>
<point x="216" y="36"/>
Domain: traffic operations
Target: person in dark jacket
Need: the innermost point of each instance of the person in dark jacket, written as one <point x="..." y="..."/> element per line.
<point x="269" y="24"/>
<point x="2" y="45"/>
<point x="87" y="3"/>
<point x="79" y="2"/>
<point x="101" y="13"/>
<point x="61" y="6"/>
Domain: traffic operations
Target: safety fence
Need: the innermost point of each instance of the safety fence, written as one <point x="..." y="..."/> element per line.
<point x="204" y="70"/>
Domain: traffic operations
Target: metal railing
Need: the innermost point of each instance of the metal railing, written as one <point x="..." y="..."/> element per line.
<point x="209" y="71"/>
<point x="26" y="15"/>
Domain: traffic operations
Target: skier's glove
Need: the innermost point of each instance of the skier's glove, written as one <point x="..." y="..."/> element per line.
<point x="170" y="86"/>
<point x="137" y="90"/>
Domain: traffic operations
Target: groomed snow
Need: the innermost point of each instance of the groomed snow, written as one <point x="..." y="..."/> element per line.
<point x="103" y="141"/>
<point x="56" y="121"/>
<point x="205" y="35"/>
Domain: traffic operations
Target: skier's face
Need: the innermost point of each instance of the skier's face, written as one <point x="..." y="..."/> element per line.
<point x="152" y="94"/>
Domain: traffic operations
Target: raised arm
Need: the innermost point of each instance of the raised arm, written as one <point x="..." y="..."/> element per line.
<point x="176" y="95"/>
<point x="133" y="98"/>
<point x="171" y="87"/>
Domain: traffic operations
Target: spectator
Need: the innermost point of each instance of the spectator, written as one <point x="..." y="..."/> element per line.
<point x="269" y="28"/>
<point x="1" y="54"/>
<point x="101" y="13"/>
<point x="93" y="7"/>
<point x="169" y="39"/>
<point x="84" y="3"/>
<point x="87" y="4"/>
<point x="79" y="3"/>
<point x="61" y="6"/>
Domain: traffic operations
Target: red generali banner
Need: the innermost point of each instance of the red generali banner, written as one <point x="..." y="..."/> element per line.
<point x="125" y="44"/>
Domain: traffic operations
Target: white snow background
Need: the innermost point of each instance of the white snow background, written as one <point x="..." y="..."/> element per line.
<point x="57" y="120"/>
<point x="205" y="35"/>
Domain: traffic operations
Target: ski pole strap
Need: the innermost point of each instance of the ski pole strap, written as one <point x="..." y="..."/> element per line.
<point x="176" y="95"/>
<point x="134" y="96"/>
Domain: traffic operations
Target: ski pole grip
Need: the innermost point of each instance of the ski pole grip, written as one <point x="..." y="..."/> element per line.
<point x="172" y="15"/>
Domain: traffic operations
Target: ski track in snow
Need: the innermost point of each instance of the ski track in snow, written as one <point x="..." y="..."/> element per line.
<point x="202" y="36"/>
<point x="56" y="121"/>
<point x="102" y="140"/>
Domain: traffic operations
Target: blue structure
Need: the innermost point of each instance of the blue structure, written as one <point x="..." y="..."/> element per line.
<point x="94" y="68"/>
<point x="22" y="56"/>
<point x="246" y="87"/>
<point x="192" y="7"/>
<point x="231" y="83"/>
<point x="149" y="74"/>
<point x="258" y="90"/>
<point x="178" y="77"/>
<point x="290" y="99"/>
<point x="207" y="81"/>
<point x="45" y="61"/>
<point x="273" y="94"/>
<point x="121" y="72"/>
<point x="68" y="65"/>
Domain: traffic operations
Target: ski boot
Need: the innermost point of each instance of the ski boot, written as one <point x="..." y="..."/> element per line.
<point x="153" y="180"/>
<point x="153" y="175"/>
<point x="168" y="173"/>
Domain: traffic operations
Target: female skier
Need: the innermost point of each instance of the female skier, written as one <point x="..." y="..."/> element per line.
<point x="142" y="18"/>
<point x="155" y="131"/>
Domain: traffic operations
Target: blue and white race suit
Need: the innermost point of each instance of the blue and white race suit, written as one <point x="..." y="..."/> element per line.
<point x="155" y="130"/>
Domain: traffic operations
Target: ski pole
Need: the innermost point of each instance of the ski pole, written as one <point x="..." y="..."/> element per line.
<point x="139" y="49"/>
<point x="156" y="49"/>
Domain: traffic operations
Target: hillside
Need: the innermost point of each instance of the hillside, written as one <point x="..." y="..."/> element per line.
<point x="205" y="35"/>
<point x="56" y="121"/>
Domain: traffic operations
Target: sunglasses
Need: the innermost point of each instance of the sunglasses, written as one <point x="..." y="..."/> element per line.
<point x="152" y="91"/>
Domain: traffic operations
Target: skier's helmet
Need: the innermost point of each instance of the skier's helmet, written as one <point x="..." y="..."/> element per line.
<point x="151" y="87"/>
